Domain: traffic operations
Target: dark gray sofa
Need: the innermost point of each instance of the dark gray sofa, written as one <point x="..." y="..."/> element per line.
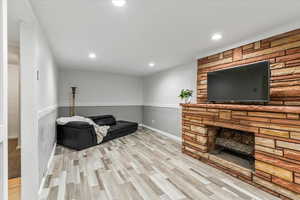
<point x="80" y="135"/>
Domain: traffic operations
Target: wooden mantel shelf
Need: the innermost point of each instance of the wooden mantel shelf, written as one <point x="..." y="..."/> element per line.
<point x="281" y="109"/>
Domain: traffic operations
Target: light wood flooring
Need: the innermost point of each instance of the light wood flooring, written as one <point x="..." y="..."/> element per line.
<point x="144" y="165"/>
<point x="14" y="188"/>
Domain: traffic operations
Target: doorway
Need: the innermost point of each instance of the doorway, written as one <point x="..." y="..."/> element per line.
<point x="14" y="147"/>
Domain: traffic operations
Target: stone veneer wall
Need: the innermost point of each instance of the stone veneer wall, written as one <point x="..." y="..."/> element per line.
<point x="277" y="142"/>
<point x="277" y="132"/>
<point x="283" y="52"/>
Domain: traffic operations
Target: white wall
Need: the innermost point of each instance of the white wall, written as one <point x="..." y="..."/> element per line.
<point x="163" y="88"/>
<point x="99" y="88"/>
<point x="13" y="92"/>
<point x="29" y="134"/>
<point x="161" y="109"/>
<point x="38" y="101"/>
<point x="48" y="75"/>
<point x="13" y="101"/>
<point x="47" y="100"/>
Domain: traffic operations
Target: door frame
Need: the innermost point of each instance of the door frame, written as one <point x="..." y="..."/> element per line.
<point x="3" y="102"/>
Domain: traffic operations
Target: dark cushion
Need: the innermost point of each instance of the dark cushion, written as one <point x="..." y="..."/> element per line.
<point x="122" y="128"/>
<point x="76" y="135"/>
<point x="104" y="120"/>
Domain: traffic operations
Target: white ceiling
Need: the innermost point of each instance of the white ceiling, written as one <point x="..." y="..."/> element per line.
<point x="168" y="32"/>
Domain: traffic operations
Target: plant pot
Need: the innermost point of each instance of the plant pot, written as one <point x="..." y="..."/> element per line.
<point x="187" y="100"/>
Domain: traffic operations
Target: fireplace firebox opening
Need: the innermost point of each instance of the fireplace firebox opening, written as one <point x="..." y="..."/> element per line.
<point x="232" y="145"/>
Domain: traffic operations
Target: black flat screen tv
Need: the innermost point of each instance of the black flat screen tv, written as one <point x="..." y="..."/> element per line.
<point x="247" y="83"/>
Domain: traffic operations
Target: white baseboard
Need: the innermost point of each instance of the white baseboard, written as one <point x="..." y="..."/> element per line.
<point x="47" y="170"/>
<point x="169" y="135"/>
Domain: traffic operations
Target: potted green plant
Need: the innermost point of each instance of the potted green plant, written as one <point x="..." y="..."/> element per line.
<point x="186" y="95"/>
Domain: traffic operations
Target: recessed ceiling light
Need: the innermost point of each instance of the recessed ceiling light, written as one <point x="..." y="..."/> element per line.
<point x="92" y="55"/>
<point x="216" y="36"/>
<point x="151" y="64"/>
<point x="119" y="3"/>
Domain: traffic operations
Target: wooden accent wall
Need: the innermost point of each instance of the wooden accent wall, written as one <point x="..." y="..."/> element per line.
<point x="277" y="143"/>
<point x="283" y="52"/>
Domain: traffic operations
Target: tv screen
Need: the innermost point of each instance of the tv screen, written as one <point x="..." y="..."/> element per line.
<point x="247" y="83"/>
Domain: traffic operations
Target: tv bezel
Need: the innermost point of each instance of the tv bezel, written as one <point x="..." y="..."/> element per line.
<point x="242" y="101"/>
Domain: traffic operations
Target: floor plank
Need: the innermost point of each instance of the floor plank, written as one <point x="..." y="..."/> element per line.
<point x="14" y="188"/>
<point x="141" y="166"/>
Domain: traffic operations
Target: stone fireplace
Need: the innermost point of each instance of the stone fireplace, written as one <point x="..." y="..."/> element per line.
<point x="274" y="126"/>
<point x="257" y="144"/>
